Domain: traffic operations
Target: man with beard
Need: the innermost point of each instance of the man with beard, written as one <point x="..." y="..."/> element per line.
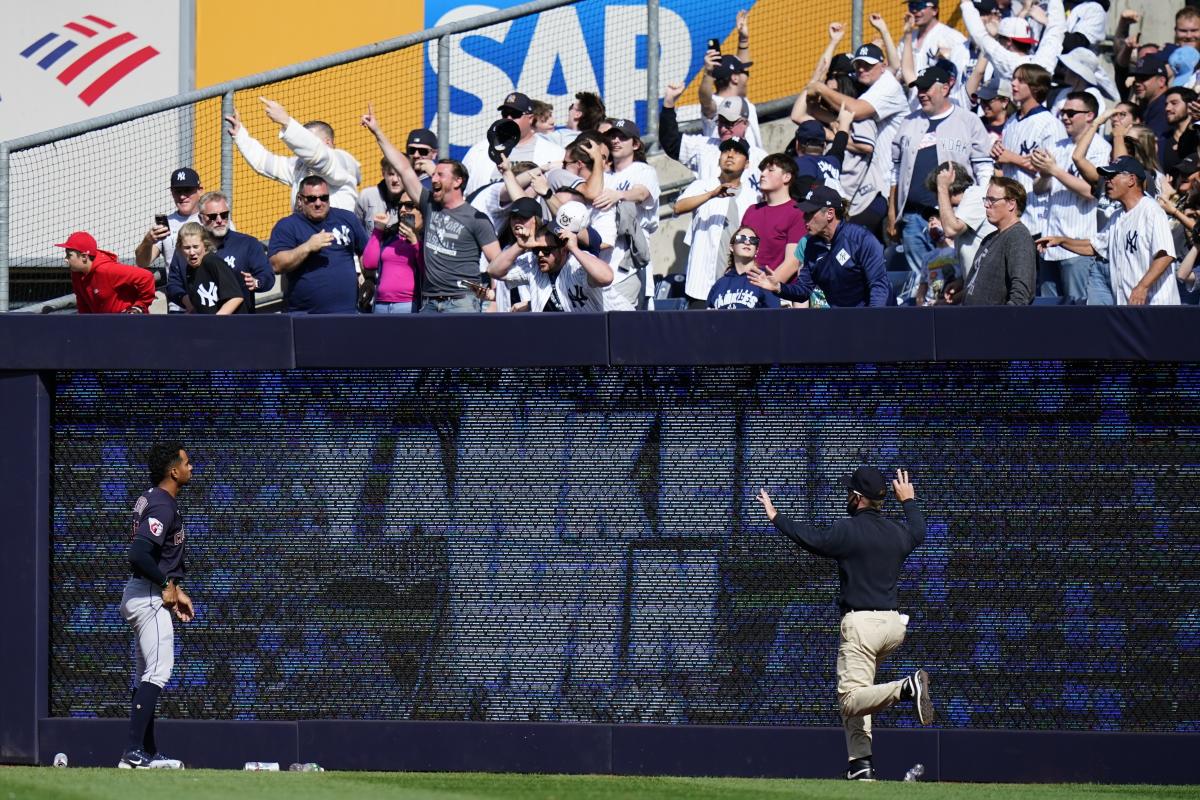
<point x="455" y="236"/>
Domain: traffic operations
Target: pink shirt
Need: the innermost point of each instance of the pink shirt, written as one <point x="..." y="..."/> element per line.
<point x="776" y="226"/>
<point x="401" y="260"/>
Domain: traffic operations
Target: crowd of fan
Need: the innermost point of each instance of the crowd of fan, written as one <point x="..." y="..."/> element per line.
<point x="1005" y="166"/>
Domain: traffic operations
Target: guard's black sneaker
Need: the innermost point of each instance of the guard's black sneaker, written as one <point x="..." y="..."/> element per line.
<point x="919" y="683"/>
<point x="134" y="759"/>
<point x="860" y="769"/>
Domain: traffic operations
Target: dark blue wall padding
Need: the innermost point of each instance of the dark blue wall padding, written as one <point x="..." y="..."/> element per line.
<point x="24" y="567"/>
<point x="451" y="340"/>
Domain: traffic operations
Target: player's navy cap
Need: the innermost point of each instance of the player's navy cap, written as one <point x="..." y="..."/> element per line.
<point x="730" y="66"/>
<point x="810" y="131"/>
<point x="525" y="208"/>
<point x="869" y="53"/>
<point x="929" y="77"/>
<point x="517" y="102"/>
<point x="867" y="481"/>
<point x="1124" y="164"/>
<point x="185" y="178"/>
<point x="820" y="196"/>
<point x="735" y="143"/>
<point x="423" y="137"/>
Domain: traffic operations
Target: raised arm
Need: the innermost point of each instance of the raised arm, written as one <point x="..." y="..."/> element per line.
<point x="889" y="44"/>
<point x="316" y="155"/>
<point x="261" y="160"/>
<point x="1087" y="170"/>
<point x="599" y="272"/>
<point x="669" y="137"/>
<point x="408" y="175"/>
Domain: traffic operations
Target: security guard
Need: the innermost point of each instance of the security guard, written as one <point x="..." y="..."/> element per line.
<point x="870" y="551"/>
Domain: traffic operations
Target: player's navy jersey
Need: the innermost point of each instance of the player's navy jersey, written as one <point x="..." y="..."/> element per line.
<point x="156" y="517"/>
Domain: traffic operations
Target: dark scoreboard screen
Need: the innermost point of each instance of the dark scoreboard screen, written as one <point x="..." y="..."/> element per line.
<point x="583" y="544"/>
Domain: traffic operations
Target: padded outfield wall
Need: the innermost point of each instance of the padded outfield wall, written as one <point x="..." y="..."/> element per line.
<point x="459" y="532"/>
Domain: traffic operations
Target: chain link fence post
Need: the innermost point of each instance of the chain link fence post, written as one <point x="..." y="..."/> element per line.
<point x="227" y="109"/>
<point x="3" y="227"/>
<point x="856" y="23"/>
<point x="652" y="59"/>
<point x="443" y="97"/>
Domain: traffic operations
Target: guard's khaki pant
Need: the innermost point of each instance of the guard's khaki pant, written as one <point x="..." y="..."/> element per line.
<point x="867" y="638"/>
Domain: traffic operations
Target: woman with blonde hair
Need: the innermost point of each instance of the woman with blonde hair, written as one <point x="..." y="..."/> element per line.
<point x="212" y="286"/>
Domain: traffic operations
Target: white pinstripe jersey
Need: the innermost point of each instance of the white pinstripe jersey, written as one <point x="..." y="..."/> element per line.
<point x="1039" y="129"/>
<point x="1068" y="214"/>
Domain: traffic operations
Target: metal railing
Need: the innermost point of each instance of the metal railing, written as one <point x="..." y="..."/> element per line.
<point x="225" y="91"/>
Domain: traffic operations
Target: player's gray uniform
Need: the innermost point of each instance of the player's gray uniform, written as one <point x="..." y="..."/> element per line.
<point x="156" y="518"/>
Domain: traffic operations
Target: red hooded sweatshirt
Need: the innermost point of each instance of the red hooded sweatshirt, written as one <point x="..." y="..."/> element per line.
<point x="110" y="287"/>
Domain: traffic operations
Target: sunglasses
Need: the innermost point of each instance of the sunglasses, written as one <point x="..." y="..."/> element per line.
<point x="218" y="215"/>
<point x="1069" y="113"/>
<point x="508" y="113"/>
<point x="407" y="204"/>
<point x="420" y="152"/>
<point x="546" y="250"/>
<point x="315" y="198"/>
<point x="742" y="238"/>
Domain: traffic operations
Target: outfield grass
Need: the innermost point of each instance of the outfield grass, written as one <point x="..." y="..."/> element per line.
<point x="47" y="783"/>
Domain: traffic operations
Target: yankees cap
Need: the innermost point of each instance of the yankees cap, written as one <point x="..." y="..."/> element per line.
<point x="185" y="178"/>
<point x="1124" y="164"/>
<point x="867" y="481"/>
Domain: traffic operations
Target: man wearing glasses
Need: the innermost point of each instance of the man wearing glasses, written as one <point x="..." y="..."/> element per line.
<point x="1071" y="205"/>
<point x="315" y="247"/>
<point x="1006" y="265"/>
<point x="532" y="146"/>
<point x="244" y="255"/>
<point x="930" y="37"/>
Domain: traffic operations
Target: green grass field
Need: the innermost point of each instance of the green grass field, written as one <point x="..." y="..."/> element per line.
<point x="38" y="783"/>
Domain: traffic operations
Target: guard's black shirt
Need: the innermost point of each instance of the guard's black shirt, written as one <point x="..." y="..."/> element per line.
<point x="869" y="550"/>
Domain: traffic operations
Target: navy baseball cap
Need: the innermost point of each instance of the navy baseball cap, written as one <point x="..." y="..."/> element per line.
<point x="929" y="77"/>
<point x="730" y="66"/>
<point x="869" y="53"/>
<point x="626" y="127"/>
<point x="735" y="143"/>
<point x="810" y="131"/>
<point x="1124" y="164"/>
<point x="185" y="178"/>
<point x="525" y="208"/>
<point x="867" y="481"/>
<point x="820" y="196"/>
<point x="517" y="102"/>
<point x="423" y="137"/>
<point x="1149" y="66"/>
<point x="985" y="7"/>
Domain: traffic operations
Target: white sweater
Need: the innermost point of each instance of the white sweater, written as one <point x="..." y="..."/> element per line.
<point x="337" y="167"/>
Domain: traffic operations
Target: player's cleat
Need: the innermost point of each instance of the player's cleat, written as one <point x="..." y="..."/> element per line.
<point x="918" y="684"/>
<point x="134" y="759"/>
<point x="159" y="761"/>
<point x="860" y="769"/>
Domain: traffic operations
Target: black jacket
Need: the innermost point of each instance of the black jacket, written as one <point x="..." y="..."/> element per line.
<point x="869" y="550"/>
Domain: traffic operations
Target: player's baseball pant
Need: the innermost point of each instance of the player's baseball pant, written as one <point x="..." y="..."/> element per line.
<point x="142" y="607"/>
<point x="867" y="638"/>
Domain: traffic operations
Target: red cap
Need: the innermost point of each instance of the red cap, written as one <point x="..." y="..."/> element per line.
<point x="81" y="241"/>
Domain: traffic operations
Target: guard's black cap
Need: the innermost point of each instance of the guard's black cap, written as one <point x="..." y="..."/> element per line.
<point x="867" y="481"/>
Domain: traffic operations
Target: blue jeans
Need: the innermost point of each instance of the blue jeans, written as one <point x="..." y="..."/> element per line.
<point x="467" y="304"/>
<point x="1067" y="278"/>
<point x="917" y="247"/>
<point x="393" y="308"/>
<point x="1099" y="292"/>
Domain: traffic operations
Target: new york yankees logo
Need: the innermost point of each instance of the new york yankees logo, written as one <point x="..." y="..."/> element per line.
<point x="341" y="235"/>
<point x="1131" y="242"/>
<point x="208" y="294"/>
<point x="231" y="261"/>
<point x="754" y="179"/>
<point x="577" y="296"/>
<point x="1028" y="147"/>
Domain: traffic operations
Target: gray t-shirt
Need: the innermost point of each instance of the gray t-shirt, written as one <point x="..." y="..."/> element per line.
<point x="1005" y="269"/>
<point x="454" y="240"/>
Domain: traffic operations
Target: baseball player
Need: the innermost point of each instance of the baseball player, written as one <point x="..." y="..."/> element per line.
<point x="870" y="551"/>
<point x="154" y="590"/>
